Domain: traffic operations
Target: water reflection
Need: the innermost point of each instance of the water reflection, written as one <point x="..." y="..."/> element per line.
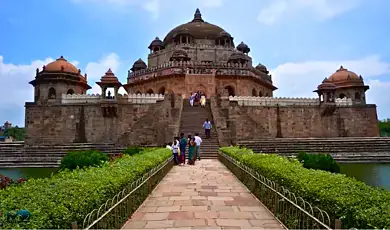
<point x="376" y="175"/>
<point x="16" y="173"/>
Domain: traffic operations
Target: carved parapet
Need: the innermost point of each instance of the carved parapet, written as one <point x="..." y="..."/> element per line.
<point x="80" y="98"/>
<point x="345" y="102"/>
<point x="144" y="98"/>
<point x="273" y="101"/>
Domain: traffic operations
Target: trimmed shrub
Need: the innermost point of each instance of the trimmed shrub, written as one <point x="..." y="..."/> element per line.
<point x="133" y="150"/>
<point x="82" y="159"/>
<point x="353" y="202"/>
<point x="69" y="196"/>
<point x="318" y="161"/>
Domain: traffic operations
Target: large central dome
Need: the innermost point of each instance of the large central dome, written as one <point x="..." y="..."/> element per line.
<point x="198" y="29"/>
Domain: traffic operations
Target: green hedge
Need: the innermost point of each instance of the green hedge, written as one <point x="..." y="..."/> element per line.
<point x="318" y="161"/>
<point x="81" y="159"/>
<point x="69" y="196"/>
<point x="353" y="202"/>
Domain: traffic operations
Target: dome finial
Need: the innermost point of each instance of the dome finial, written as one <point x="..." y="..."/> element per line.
<point x="197" y="16"/>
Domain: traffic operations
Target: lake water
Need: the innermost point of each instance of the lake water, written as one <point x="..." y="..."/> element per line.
<point x="377" y="175"/>
<point x="16" y="173"/>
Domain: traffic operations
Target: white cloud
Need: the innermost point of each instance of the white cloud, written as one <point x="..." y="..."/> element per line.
<point x="300" y="79"/>
<point x="153" y="7"/>
<point x="16" y="91"/>
<point x="278" y="10"/>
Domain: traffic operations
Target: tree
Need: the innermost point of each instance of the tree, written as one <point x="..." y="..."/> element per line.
<point x="384" y="127"/>
<point x="15" y="132"/>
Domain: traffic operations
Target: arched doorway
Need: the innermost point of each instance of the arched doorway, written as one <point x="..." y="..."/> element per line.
<point x="230" y="90"/>
<point x="341" y="96"/>
<point x="70" y="91"/>
<point x="150" y="91"/>
<point x="138" y="92"/>
<point x="357" y="96"/>
<point x="260" y="94"/>
<point x="161" y="90"/>
<point x="254" y="93"/>
<point x="52" y="93"/>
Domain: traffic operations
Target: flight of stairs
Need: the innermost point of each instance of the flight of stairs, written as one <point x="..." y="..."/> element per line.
<point x="192" y="119"/>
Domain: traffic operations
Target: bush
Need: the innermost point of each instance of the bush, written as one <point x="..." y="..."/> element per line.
<point x="133" y="150"/>
<point x="69" y="196"/>
<point x="82" y="159"/>
<point x="319" y="161"/>
<point x="353" y="202"/>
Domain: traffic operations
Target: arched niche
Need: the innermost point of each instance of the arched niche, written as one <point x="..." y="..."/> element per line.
<point x="161" y="90"/>
<point x="150" y="91"/>
<point x="230" y="90"/>
<point x="52" y="93"/>
<point x="260" y="93"/>
<point x="70" y="91"/>
<point x="342" y="95"/>
<point x="254" y="92"/>
<point x="138" y="92"/>
<point x="358" y="96"/>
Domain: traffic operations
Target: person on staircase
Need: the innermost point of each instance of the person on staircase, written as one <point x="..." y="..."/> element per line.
<point x="175" y="150"/>
<point x="207" y="128"/>
<point x="183" y="145"/>
<point x="198" y="141"/>
<point x="203" y="100"/>
<point x="192" y="99"/>
<point x="191" y="151"/>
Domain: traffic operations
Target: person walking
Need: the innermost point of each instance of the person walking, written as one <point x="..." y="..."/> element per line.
<point x="207" y="128"/>
<point x="198" y="142"/>
<point x="191" y="151"/>
<point x="183" y="146"/>
<point x="175" y="150"/>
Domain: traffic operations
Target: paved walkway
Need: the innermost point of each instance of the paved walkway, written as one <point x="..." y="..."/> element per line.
<point x="204" y="196"/>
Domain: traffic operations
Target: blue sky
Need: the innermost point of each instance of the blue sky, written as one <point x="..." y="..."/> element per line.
<point x="300" y="41"/>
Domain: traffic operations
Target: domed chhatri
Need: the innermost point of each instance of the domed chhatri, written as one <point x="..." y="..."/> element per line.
<point x="243" y="48"/>
<point x="61" y="65"/>
<point x="139" y="65"/>
<point x="343" y="74"/>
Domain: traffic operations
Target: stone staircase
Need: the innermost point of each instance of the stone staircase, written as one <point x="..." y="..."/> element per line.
<point x="345" y="149"/>
<point x="15" y="155"/>
<point x="192" y="119"/>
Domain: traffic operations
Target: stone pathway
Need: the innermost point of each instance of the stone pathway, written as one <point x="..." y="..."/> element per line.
<point x="204" y="196"/>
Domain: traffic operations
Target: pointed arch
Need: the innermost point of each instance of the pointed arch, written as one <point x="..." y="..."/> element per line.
<point x="342" y="95"/>
<point x="70" y="91"/>
<point x="52" y="93"/>
<point x="150" y="91"/>
<point x="230" y="90"/>
<point x="161" y="90"/>
<point x="254" y="92"/>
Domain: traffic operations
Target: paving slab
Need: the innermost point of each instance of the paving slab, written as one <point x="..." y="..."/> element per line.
<point x="202" y="196"/>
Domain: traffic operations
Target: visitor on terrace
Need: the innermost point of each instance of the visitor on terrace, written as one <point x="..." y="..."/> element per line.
<point x="176" y="150"/>
<point x="192" y="151"/>
<point x="198" y="142"/>
<point x="203" y="100"/>
<point x="183" y="145"/>
<point x="207" y="128"/>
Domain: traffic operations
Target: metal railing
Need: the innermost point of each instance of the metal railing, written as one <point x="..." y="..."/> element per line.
<point x="292" y="211"/>
<point x="116" y="211"/>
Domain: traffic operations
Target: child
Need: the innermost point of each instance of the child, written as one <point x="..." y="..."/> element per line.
<point x="175" y="150"/>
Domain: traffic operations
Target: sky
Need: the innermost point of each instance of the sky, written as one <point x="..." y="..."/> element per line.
<point x="300" y="41"/>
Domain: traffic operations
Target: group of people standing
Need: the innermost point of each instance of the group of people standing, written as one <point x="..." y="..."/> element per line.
<point x="198" y="98"/>
<point x="179" y="147"/>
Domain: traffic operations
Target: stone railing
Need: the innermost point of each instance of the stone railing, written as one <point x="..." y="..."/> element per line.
<point x="80" y="98"/>
<point x="273" y="101"/>
<point x="193" y="46"/>
<point x="344" y="102"/>
<point x="144" y="98"/>
<point x="190" y="67"/>
<point x="96" y="98"/>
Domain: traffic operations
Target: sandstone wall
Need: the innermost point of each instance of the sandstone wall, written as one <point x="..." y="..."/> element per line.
<point x="253" y="122"/>
<point x="145" y="124"/>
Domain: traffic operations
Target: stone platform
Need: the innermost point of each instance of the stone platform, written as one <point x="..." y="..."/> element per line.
<point x="204" y="196"/>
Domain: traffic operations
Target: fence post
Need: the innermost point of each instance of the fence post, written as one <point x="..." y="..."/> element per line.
<point x="74" y="225"/>
<point x="337" y="224"/>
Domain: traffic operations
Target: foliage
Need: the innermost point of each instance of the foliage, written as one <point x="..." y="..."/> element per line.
<point x="133" y="150"/>
<point x="353" y="202"/>
<point x="384" y="127"/>
<point x="15" y="132"/>
<point x="69" y="196"/>
<point x="319" y="161"/>
<point x="82" y="159"/>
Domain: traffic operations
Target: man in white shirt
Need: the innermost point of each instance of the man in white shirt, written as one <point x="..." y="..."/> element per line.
<point x="198" y="142"/>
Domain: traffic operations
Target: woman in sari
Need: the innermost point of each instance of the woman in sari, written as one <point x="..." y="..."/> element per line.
<point x="192" y="152"/>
